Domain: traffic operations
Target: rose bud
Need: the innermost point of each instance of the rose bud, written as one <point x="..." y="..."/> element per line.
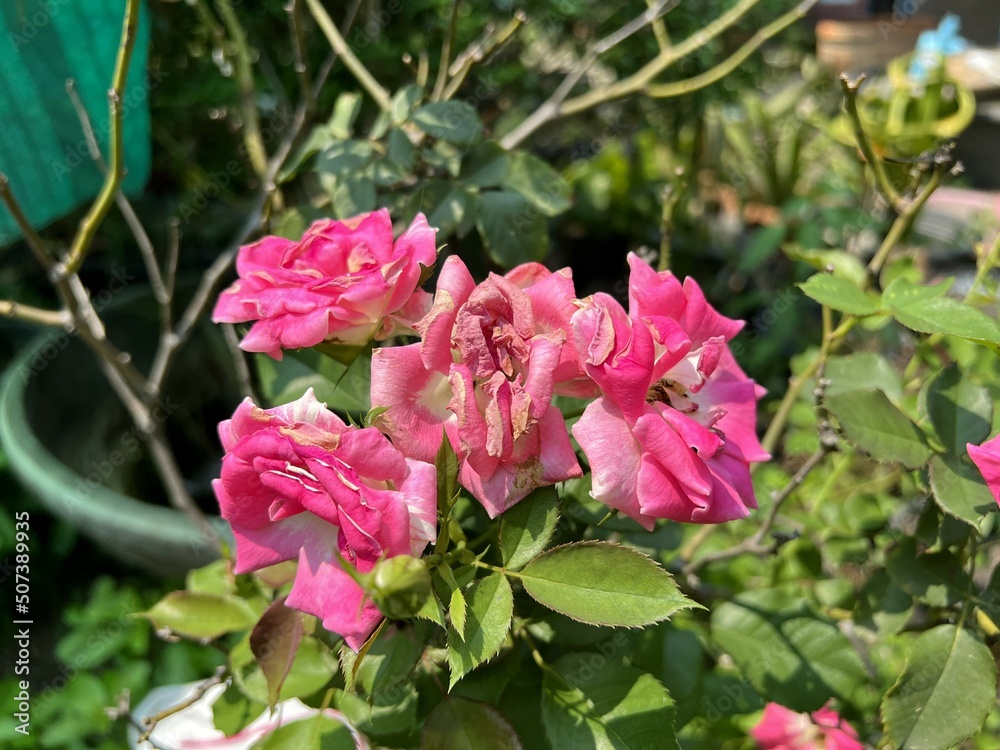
<point x="399" y="586"/>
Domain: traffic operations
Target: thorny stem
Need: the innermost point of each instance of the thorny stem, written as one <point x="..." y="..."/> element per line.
<point x="755" y="544"/>
<point x="827" y="444"/>
<point x="833" y="338"/>
<point x="864" y="145"/>
<point x="669" y="198"/>
<point x="116" y="169"/>
<point x="904" y="221"/>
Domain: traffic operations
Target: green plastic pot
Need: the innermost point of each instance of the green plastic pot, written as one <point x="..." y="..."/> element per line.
<point x="71" y="444"/>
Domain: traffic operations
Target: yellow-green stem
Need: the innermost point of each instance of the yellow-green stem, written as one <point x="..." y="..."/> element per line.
<point x="727" y="66"/>
<point x="645" y="75"/>
<point x="116" y="167"/>
<point x="360" y="72"/>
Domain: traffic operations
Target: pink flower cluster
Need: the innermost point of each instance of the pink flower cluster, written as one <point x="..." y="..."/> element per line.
<point x="669" y="432"/>
<point x="781" y="728"/>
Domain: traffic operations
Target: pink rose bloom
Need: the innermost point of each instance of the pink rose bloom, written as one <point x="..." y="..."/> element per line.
<point x="986" y="457"/>
<point x="553" y="302"/>
<point x="299" y="484"/>
<point x="343" y="282"/>
<point x="674" y="431"/>
<point x="783" y="729"/>
<point x="483" y="374"/>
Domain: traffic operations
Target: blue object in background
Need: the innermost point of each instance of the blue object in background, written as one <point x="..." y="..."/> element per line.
<point x="42" y="148"/>
<point x="933" y="46"/>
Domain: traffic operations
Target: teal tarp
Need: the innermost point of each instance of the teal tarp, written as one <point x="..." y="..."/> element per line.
<point x="42" y="148"/>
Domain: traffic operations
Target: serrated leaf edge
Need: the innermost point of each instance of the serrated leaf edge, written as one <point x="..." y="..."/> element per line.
<point x="596" y="543"/>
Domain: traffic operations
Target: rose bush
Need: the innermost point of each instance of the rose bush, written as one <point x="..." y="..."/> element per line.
<point x="479" y="410"/>
<point x="520" y="507"/>
<point x="545" y="511"/>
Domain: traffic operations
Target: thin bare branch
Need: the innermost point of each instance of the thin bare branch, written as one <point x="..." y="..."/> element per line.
<point x="116" y="170"/>
<point x="29" y="314"/>
<point x="659" y="30"/>
<point x="636" y="82"/>
<point x="248" y="91"/>
<point x="720" y="71"/>
<point x="128" y="213"/>
<point x="445" y="59"/>
<point x="301" y="60"/>
<point x="478" y="51"/>
<point x="239" y="361"/>
<point x="336" y="39"/>
<point x="173" y="255"/>
<point x="755" y="545"/>
<point x="551" y="108"/>
<point x="34" y="241"/>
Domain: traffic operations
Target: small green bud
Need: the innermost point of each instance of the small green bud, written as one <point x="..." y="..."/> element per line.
<point x="400" y="586"/>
